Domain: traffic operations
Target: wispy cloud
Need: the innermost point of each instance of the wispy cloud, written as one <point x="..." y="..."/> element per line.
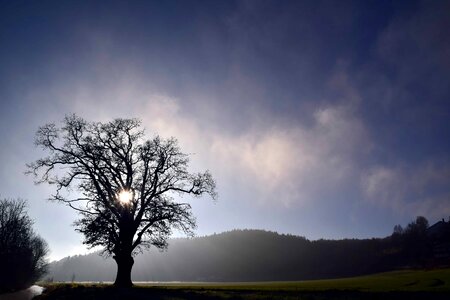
<point x="409" y="189"/>
<point x="289" y="163"/>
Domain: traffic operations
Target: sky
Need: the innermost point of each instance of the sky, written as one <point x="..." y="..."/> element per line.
<point x="325" y="119"/>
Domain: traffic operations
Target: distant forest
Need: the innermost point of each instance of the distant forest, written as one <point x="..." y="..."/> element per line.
<point x="256" y="255"/>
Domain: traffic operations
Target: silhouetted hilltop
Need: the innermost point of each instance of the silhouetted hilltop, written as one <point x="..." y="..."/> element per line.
<point x="238" y="255"/>
<point x="254" y="255"/>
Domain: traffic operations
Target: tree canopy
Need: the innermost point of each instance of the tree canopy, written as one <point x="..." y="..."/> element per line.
<point x="125" y="187"/>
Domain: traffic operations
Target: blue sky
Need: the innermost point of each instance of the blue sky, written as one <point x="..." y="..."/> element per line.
<point x="318" y="118"/>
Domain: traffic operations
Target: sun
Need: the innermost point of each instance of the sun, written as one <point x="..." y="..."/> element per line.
<point x="125" y="196"/>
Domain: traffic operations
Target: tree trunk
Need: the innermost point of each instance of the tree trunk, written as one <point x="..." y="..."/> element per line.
<point x="124" y="265"/>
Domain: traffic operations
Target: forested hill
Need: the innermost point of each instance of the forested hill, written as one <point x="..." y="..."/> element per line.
<point x="244" y="255"/>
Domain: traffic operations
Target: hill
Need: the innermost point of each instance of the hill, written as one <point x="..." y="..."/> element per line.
<point x="239" y="255"/>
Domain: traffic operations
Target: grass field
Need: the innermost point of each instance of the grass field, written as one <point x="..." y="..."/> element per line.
<point x="423" y="284"/>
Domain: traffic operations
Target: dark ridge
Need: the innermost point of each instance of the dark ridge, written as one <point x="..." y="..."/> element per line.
<point x="257" y="255"/>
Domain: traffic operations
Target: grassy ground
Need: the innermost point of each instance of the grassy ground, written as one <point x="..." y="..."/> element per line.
<point x="432" y="284"/>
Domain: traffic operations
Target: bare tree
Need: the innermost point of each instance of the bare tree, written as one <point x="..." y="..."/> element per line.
<point x="22" y="252"/>
<point x="125" y="185"/>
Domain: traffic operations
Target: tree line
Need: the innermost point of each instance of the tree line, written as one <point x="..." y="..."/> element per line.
<point x="253" y="255"/>
<point x="22" y="251"/>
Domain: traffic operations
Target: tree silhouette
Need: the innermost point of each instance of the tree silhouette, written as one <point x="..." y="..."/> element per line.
<point x="125" y="185"/>
<point x="22" y="252"/>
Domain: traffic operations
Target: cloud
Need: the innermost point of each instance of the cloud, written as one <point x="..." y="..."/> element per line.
<point x="418" y="41"/>
<point x="299" y="164"/>
<point x="412" y="61"/>
<point x="276" y="161"/>
<point x="287" y="164"/>
<point x="409" y="189"/>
